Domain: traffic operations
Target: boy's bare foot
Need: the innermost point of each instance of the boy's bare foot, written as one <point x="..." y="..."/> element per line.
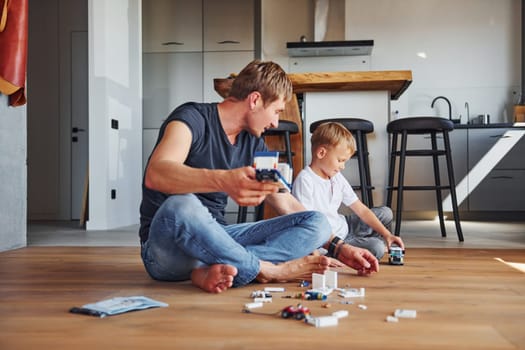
<point x="294" y="269"/>
<point x="215" y="278"/>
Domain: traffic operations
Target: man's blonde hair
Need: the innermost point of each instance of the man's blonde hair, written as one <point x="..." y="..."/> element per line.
<point x="268" y="78"/>
<point x="332" y="134"/>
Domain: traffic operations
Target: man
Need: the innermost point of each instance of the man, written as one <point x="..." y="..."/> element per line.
<point x="203" y="155"/>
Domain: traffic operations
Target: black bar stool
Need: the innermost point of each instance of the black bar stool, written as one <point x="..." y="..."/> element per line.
<point x="421" y="126"/>
<point x="359" y="128"/>
<point x="285" y="129"/>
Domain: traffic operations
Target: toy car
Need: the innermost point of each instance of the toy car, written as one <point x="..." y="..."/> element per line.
<point x="396" y="255"/>
<point x="266" y="168"/>
<point x="298" y="312"/>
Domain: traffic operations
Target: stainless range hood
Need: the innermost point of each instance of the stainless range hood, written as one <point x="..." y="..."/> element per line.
<point x="330" y="48"/>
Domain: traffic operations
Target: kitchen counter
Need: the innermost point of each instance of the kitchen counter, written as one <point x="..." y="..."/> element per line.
<point x="491" y="126"/>
<point x="395" y="82"/>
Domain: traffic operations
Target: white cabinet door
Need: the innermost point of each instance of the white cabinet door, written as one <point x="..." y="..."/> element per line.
<point x="171" y="25"/>
<point x="169" y="79"/>
<point x="228" y="25"/>
<point x="149" y="138"/>
<point x="221" y="65"/>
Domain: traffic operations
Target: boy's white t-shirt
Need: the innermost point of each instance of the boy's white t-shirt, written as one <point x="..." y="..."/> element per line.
<point x="326" y="196"/>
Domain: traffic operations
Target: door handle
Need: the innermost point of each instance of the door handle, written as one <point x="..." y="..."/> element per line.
<point x="75" y="129"/>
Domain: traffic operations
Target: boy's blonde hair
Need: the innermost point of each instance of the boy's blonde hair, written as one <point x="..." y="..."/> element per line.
<point x="332" y="134"/>
<point x="268" y="78"/>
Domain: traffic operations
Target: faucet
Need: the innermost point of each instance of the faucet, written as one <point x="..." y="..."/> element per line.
<point x="448" y="102"/>
<point x="468" y="113"/>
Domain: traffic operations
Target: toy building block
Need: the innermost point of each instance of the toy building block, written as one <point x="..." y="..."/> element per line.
<point x="392" y="319"/>
<point x="403" y="313"/>
<point x="318" y="281"/>
<point x="331" y="279"/>
<point x="352" y="293"/>
<point x="323" y="321"/>
<point x="261" y="294"/>
<point x="266" y="166"/>
<point x="362" y="306"/>
<point x="274" y="289"/>
<point x="340" y="313"/>
<point x="253" y="305"/>
<point x="262" y="300"/>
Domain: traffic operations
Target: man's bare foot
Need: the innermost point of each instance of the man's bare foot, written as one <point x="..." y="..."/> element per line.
<point x="215" y="278"/>
<point x="294" y="269"/>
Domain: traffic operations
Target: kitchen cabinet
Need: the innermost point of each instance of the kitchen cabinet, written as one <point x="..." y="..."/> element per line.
<point x="169" y="80"/>
<point x="221" y="65"/>
<point x="496" y="169"/>
<point x="171" y="26"/>
<point x="228" y="25"/>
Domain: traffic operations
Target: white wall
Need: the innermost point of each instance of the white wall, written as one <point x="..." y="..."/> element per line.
<point x="13" y="175"/>
<point x="115" y="92"/>
<point x="472" y="48"/>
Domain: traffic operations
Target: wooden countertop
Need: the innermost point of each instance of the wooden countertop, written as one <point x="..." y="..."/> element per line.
<point x="394" y="81"/>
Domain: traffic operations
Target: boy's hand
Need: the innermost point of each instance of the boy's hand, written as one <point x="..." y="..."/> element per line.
<point x="359" y="259"/>
<point x="393" y="239"/>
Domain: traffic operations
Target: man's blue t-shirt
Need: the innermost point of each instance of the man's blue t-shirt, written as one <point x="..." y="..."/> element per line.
<point x="210" y="149"/>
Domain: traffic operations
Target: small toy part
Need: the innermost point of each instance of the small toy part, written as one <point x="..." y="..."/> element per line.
<point x="266" y="169"/>
<point x="347" y="302"/>
<point x="304" y="283"/>
<point x="324" y="283"/>
<point x="274" y="289"/>
<point x="253" y="305"/>
<point x="308" y="295"/>
<point x="262" y="300"/>
<point x="392" y="319"/>
<point x="322" y="321"/>
<point x="352" y="293"/>
<point x="402" y="313"/>
<point x="340" y="313"/>
<point x="396" y="255"/>
<point x="261" y="294"/>
<point x="326" y="305"/>
<point x="298" y="312"/>
<point x="362" y="306"/>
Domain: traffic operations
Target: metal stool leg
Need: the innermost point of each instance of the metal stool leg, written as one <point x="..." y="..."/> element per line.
<point x="452" y="182"/>
<point x="400" y="182"/>
<point x="437" y="183"/>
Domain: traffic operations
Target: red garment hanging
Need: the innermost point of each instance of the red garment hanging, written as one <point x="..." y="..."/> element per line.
<point x="13" y="50"/>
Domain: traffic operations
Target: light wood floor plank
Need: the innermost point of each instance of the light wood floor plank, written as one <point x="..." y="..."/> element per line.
<point x="465" y="299"/>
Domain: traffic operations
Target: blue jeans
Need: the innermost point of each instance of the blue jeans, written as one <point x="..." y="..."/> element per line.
<point x="361" y="235"/>
<point x="183" y="236"/>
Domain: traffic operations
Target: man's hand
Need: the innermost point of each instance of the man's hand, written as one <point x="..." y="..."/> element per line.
<point x="359" y="259"/>
<point x="242" y="186"/>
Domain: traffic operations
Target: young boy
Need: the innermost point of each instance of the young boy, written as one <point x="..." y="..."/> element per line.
<point x="322" y="187"/>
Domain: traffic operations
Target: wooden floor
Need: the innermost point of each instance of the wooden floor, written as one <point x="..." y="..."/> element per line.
<point x="464" y="298"/>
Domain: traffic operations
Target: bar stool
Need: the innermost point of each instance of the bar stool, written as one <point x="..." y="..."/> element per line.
<point x="285" y="129"/>
<point x="359" y="128"/>
<point x="422" y="126"/>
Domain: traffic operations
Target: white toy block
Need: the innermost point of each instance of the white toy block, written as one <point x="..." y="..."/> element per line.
<point x="362" y="306"/>
<point x="262" y="300"/>
<point x="352" y="293"/>
<point x="318" y="281"/>
<point x="331" y="279"/>
<point x="274" y="289"/>
<point x="391" y="319"/>
<point x="340" y="313"/>
<point x="323" y="321"/>
<point x="253" y="305"/>
<point x="402" y="313"/>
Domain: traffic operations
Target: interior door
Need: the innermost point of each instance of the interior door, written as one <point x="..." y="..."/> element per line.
<point x="79" y="121"/>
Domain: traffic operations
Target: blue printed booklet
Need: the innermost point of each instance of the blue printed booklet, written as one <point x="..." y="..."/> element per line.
<point x="120" y="305"/>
